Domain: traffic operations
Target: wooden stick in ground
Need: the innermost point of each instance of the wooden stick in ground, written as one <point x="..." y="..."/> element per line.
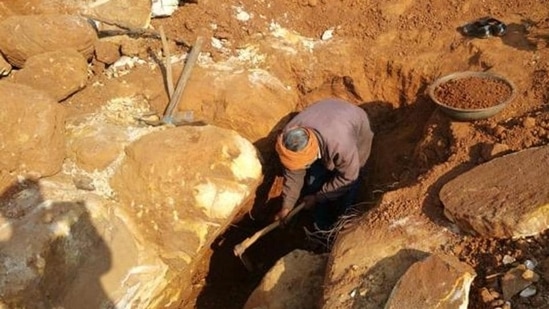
<point x="239" y="249"/>
<point x="167" y="62"/>
<point x="182" y="82"/>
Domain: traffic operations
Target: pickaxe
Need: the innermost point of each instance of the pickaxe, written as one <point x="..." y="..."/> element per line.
<point x="241" y="247"/>
<point x="168" y="117"/>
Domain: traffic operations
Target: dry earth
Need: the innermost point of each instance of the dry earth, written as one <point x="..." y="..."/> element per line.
<point x="400" y="47"/>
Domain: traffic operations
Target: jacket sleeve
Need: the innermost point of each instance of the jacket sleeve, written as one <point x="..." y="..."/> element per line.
<point x="347" y="169"/>
<point x="293" y="183"/>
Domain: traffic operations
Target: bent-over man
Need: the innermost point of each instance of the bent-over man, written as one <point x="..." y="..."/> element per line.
<point x="323" y="150"/>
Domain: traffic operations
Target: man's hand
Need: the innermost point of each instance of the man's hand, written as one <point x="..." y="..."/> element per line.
<point x="310" y="201"/>
<point x="282" y="213"/>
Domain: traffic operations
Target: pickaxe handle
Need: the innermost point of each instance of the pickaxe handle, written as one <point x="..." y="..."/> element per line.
<point x="182" y="81"/>
<point x="241" y="247"/>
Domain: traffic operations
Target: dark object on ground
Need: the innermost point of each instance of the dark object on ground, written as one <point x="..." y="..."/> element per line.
<point x="493" y="93"/>
<point x="484" y="28"/>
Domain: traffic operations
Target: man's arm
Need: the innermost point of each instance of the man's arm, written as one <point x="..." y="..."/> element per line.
<point x="293" y="183"/>
<point x="347" y="165"/>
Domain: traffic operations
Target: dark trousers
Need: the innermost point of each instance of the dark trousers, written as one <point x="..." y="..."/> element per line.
<point x="326" y="214"/>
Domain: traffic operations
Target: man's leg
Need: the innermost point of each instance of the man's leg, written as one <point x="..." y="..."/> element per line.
<point x="316" y="176"/>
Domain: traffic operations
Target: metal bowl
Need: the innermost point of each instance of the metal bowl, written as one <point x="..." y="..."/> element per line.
<point x="470" y="114"/>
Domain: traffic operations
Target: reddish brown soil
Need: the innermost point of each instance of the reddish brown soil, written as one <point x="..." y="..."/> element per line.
<point x="473" y="92"/>
<point x="402" y="46"/>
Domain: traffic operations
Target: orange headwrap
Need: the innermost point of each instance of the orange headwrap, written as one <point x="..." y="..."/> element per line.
<point x="298" y="160"/>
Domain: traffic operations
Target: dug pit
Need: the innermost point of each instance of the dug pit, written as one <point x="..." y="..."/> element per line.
<point x="266" y="61"/>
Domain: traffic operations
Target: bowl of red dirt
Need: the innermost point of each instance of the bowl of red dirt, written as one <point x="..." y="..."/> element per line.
<point x="472" y="95"/>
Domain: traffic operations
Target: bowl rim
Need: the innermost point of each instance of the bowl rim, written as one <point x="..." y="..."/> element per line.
<point x="463" y="74"/>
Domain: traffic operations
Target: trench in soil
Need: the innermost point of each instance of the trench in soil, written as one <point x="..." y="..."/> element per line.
<point x="224" y="282"/>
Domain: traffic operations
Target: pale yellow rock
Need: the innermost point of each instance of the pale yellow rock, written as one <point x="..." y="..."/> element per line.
<point x="23" y="36"/>
<point x="32" y="138"/>
<point x="60" y="73"/>
<point x="295" y="281"/>
<point x="439" y="281"/>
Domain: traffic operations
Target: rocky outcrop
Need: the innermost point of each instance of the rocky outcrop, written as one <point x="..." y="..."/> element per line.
<point x="59" y="73"/>
<point x="505" y="197"/>
<point x="32" y="139"/>
<point x="24" y="36"/>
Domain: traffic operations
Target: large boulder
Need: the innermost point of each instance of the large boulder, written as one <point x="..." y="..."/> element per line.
<point x="24" y="36"/>
<point x="125" y="13"/>
<point x="182" y="187"/>
<point x="32" y="139"/>
<point x="67" y="248"/>
<point x="439" y="281"/>
<point x="505" y="197"/>
<point x="60" y="73"/>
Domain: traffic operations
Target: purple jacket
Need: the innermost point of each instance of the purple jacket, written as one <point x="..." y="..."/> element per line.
<point x="345" y="140"/>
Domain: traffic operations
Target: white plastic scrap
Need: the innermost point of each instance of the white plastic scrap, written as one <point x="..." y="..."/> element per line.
<point x="162" y="8"/>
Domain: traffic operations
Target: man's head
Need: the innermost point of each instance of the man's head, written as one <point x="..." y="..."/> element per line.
<point x="297" y="148"/>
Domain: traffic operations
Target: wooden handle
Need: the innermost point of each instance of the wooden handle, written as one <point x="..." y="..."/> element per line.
<point x="241" y="247"/>
<point x="191" y="60"/>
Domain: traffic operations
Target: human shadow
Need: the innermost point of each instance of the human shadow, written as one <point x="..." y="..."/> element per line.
<point x="51" y="255"/>
<point x="381" y="278"/>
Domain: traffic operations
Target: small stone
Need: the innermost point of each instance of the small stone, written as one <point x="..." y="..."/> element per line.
<point x="530" y="264"/>
<point x="529" y="122"/>
<point x="507" y="259"/>
<point x="107" y="52"/>
<point x="222" y="35"/>
<point x="529" y="291"/>
<point x="489" y="151"/>
<point x="328" y="34"/>
<point x="313" y="3"/>
<point x="530" y="275"/>
<point x="486" y="296"/>
<point x="499" y="131"/>
<point x="497" y="303"/>
<point x="83" y="182"/>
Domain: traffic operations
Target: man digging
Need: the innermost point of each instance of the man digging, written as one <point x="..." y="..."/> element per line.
<point x="323" y="150"/>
